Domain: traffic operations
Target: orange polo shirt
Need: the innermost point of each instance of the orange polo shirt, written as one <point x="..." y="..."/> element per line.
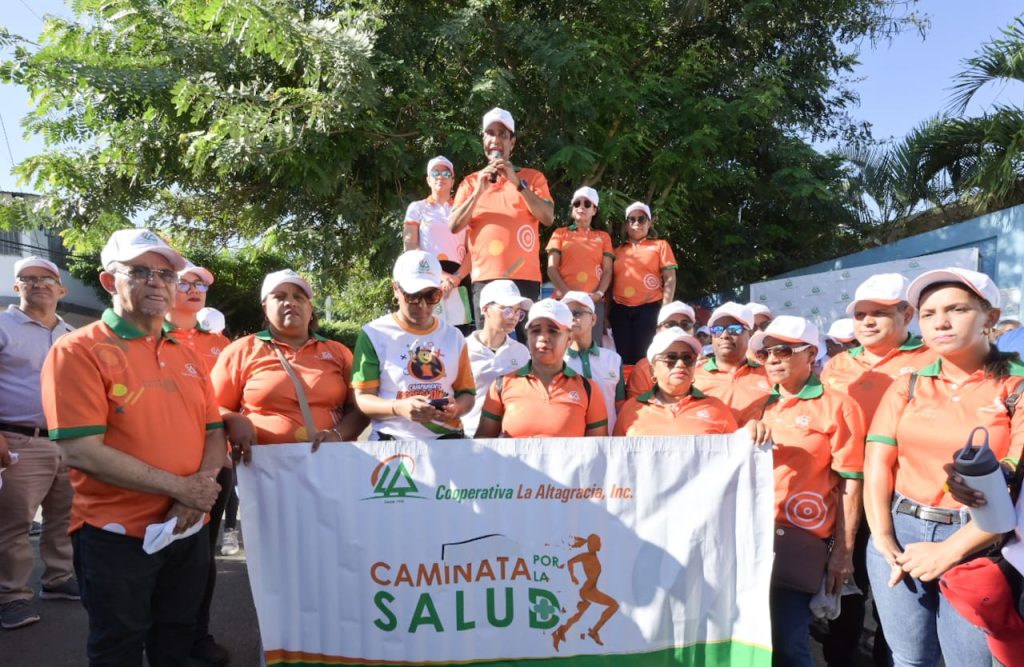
<point x="637" y="271"/>
<point x="744" y="390"/>
<point x="866" y="382"/>
<point x="249" y="378"/>
<point x="528" y="409"/>
<point x="582" y="253"/>
<point x="503" y="241"/>
<point x="641" y="380"/>
<point x="930" y="429"/>
<point x="148" y="397"/>
<point x="207" y="345"/>
<point x="695" y="414"/>
<point x="819" y="438"/>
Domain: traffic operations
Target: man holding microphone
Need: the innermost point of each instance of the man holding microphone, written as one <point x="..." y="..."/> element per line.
<point x="502" y="206"/>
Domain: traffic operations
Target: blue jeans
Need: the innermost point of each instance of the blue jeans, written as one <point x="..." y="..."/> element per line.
<point x="920" y="625"/>
<point x="791" y="628"/>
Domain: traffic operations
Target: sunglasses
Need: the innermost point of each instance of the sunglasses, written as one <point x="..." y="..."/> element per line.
<point x="430" y="297"/>
<point x="46" y="281"/>
<point x="671" y="359"/>
<point x="144" y="274"/>
<point x="637" y="219"/>
<point x="199" y="286"/>
<point x="733" y="329"/>
<point x="582" y="203"/>
<point x="781" y="352"/>
<point x="685" y="325"/>
<point x="440" y="173"/>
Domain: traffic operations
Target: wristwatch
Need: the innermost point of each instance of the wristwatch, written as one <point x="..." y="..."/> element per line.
<point x="523" y="184"/>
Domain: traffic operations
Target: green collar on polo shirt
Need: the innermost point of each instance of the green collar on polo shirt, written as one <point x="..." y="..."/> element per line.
<point x="265" y="335"/>
<point x="811" y="390"/>
<point x="593" y="350"/>
<point x="712" y="365"/>
<point x="912" y="343"/>
<point x="528" y="370"/>
<point x="648" y="395"/>
<point x="126" y="330"/>
<point x="934" y="369"/>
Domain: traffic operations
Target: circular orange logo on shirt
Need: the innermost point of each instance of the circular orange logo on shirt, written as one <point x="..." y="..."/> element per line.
<point x="806" y="510"/>
<point x="651" y="281"/>
<point x="111" y="356"/>
<point x="527" y="238"/>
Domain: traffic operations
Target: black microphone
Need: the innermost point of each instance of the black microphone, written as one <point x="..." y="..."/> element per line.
<point x="495" y="155"/>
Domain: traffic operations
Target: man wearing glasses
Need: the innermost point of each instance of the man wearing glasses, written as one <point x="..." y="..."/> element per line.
<point x="730" y="376"/>
<point x="144" y="439"/>
<point x="411" y="371"/>
<point x="38" y="477"/>
<point x="502" y="205"/>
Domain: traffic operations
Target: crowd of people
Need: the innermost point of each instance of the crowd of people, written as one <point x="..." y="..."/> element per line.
<point x="125" y="430"/>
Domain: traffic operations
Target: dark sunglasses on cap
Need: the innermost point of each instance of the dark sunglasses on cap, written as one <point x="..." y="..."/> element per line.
<point x="781" y="352"/>
<point x="671" y="359"/>
<point x="184" y="286"/>
<point x="733" y="329"/>
<point x="431" y="297"/>
<point x="440" y="173"/>
<point x="637" y="219"/>
<point x="585" y="203"/>
<point x="685" y="325"/>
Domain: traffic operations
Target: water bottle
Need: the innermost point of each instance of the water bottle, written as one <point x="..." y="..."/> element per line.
<point x="981" y="471"/>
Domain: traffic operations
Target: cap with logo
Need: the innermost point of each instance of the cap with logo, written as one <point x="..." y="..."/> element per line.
<point x="737" y="311"/>
<point x="842" y="330"/>
<point x="211" y="320"/>
<point x="788" y="329"/>
<point x="440" y="161"/>
<point x="550" y="309"/>
<point x="676" y="308"/>
<point x="582" y="298"/>
<point x="124" y="245"/>
<point x="977" y="282"/>
<point x="417" y="270"/>
<point x="639" y="206"/>
<point x="33" y="262"/>
<point x="665" y="339"/>
<point x="200" y="272"/>
<point x="505" y="293"/>
<point x="278" y="278"/>
<point x="885" y="288"/>
<point x="588" y="193"/>
<point x="499" y="115"/>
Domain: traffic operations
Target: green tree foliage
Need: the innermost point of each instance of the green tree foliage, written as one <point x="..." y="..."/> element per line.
<point x="310" y="121"/>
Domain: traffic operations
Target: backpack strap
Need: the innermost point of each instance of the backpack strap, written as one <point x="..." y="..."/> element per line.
<point x="1014" y="398"/>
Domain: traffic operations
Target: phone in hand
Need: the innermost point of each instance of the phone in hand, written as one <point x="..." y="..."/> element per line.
<point x="439" y="403"/>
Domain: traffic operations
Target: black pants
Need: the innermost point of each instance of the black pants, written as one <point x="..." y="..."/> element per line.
<point x="135" y="599"/>
<point x="633" y="329"/>
<point x="226" y="479"/>
<point x="527" y="288"/>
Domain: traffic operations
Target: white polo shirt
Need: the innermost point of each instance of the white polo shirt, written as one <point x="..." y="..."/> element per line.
<point x="489" y="365"/>
<point x="604" y="368"/>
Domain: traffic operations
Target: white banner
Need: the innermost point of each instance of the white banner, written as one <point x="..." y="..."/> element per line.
<point x="478" y="551"/>
<point x="822" y="297"/>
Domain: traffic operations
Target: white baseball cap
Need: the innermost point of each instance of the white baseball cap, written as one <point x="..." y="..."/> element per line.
<point x="33" y="262"/>
<point x="737" y="311"/>
<point x="676" y="308"/>
<point x="759" y="309"/>
<point x="977" y="282"/>
<point x="124" y="245"/>
<point x="278" y="278"/>
<point x="416" y="270"/>
<point x="550" y="309"/>
<point x="842" y="330"/>
<point x="211" y="319"/>
<point x="499" y="115"/>
<point x="581" y="298"/>
<point x="664" y="339"/>
<point x="884" y="288"/>
<point x="586" y="193"/>
<point x="788" y="329"/>
<point x="639" y="206"/>
<point x="440" y="161"/>
<point x="505" y="293"/>
<point x="200" y="272"/>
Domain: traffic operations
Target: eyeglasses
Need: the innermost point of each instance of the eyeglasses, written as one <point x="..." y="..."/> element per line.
<point x="509" y="312"/>
<point x="584" y="203"/>
<point x="45" y="281"/>
<point x="637" y="219"/>
<point x="144" y="274"/>
<point x="431" y="297"/>
<point x="580" y="313"/>
<point x="671" y="359"/>
<point x="781" y="352"/>
<point x="184" y="286"/>
<point x="733" y="329"/>
<point x="685" y="325"/>
<point x="440" y="173"/>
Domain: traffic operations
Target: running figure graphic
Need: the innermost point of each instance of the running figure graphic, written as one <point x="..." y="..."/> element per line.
<point x="589" y="594"/>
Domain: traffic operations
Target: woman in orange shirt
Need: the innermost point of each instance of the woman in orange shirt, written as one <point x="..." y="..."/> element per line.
<point x="919" y="530"/>
<point x="644" y="279"/>
<point x="255" y="390"/>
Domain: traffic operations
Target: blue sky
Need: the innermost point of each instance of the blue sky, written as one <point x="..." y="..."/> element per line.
<point x="901" y="83"/>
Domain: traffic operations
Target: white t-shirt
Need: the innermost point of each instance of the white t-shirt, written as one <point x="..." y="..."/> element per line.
<point x="604" y="368"/>
<point x="436" y="236"/>
<point x="489" y="365"/>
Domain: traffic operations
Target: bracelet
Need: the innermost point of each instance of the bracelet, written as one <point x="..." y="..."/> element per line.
<point x="336" y="432"/>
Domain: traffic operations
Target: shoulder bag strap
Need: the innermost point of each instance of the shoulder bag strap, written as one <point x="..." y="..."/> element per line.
<point x="300" y="391"/>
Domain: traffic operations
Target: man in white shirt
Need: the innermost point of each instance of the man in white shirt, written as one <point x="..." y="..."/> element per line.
<point x="492" y="353"/>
